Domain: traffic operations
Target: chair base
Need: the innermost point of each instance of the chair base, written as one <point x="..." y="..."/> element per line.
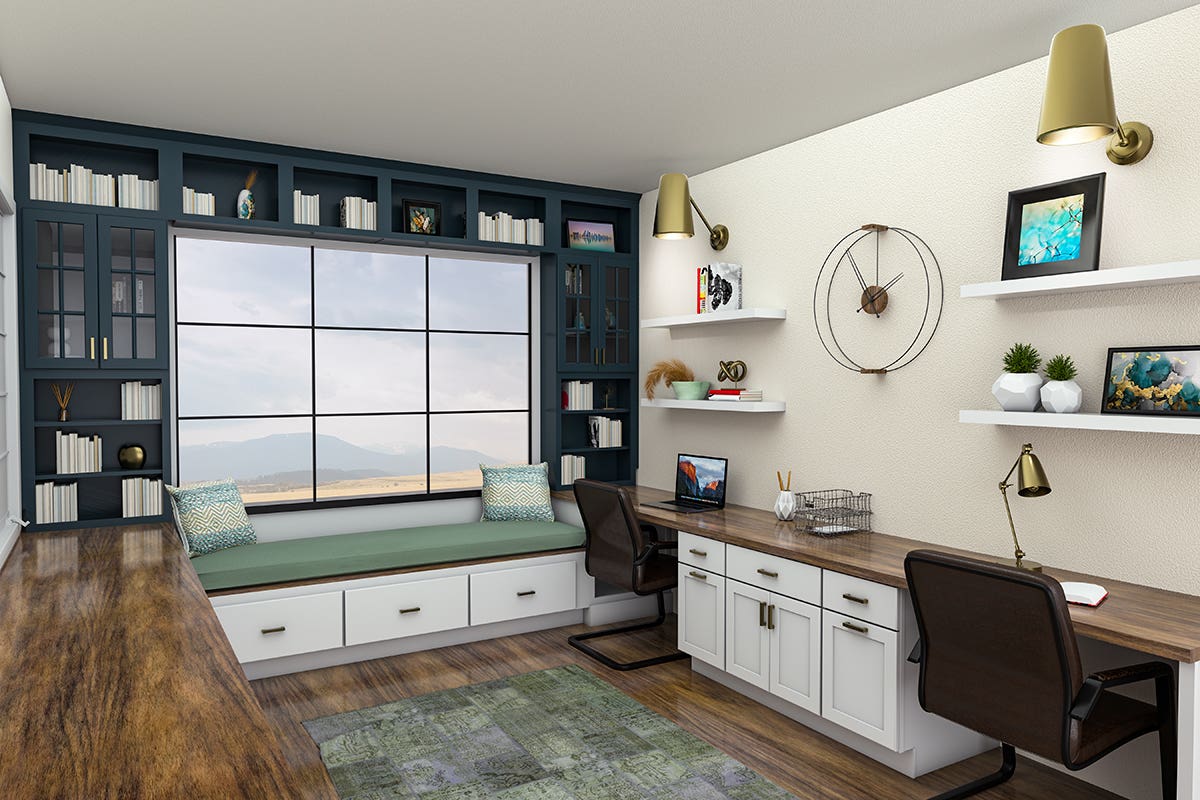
<point x="1008" y="766"/>
<point x="577" y="641"/>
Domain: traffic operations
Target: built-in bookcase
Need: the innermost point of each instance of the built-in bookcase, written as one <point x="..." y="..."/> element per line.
<point x="332" y="187"/>
<point x="226" y="177"/>
<point x="620" y="217"/>
<point x="452" y="199"/>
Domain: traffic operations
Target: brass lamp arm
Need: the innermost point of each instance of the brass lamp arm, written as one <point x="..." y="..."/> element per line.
<point x="718" y="237"/>
<point x="1018" y="553"/>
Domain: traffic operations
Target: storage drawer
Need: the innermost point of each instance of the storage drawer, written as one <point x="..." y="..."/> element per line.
<point x="275" y="628"/>
<point x="791" y="578"/>
<point x="704" y="553"/>
<point x="406" y="609"/>
<point x="866" y="600"/>
<point x="522" y="592"/>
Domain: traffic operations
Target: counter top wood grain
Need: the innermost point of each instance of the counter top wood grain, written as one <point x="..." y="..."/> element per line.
<point x="1155" y="621"/>
<point x="116" y="679"/>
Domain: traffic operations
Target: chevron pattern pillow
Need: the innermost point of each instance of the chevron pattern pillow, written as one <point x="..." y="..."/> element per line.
<point x="516" y="492"/>
<point x="212" y="516"/>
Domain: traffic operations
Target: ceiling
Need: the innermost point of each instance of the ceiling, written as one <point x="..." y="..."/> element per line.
<point x="609" y="93"/>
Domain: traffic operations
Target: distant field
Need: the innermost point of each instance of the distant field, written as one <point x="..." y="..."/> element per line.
<point x="362" y="487"/>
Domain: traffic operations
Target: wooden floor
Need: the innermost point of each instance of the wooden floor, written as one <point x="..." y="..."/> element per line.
<point x="804" y="762"/>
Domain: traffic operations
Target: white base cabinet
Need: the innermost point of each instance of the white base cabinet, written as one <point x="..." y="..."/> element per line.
<point x="859" y="678"/>
<point x="700" y="605"/>
<point x="774" y="642"/>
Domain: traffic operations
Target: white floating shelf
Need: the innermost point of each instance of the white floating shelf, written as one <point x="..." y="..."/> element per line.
<point x="748" y="406"/>
<point x="1175" y="272"/>
<point x="741" y="315"/>
<point x="1093" y="422"/>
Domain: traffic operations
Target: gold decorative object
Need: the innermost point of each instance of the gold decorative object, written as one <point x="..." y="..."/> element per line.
<point x="731" y="371"/>
<point x="673" y="213"/>
<point x="62" y="397"/>
<point x="668" y="372"/>
<point x="1078" y="105"/>
<point x="1031" y="482"/>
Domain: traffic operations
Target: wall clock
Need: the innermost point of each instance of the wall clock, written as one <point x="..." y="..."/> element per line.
<point x="878" y="299"/>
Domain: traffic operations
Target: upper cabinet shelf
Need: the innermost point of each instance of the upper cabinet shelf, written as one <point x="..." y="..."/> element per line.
<point x="1175" y="272"/>
<point x="741" y="315"/>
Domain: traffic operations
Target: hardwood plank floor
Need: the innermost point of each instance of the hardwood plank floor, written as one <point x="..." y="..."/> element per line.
<point x="800" y="760"/>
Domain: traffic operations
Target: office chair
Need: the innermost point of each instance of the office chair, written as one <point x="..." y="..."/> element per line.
<point x="998" y="655"/>
<point x="625" y="553"/>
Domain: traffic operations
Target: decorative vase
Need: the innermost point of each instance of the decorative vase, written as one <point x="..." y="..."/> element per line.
<point x="1018" y="391"/>
<point x="245" y="204"/>
<point x="131" y="456"/>
<point x="785" y="505"/>
<point x="1062" y="397"/>
<point x="690" y="390"/>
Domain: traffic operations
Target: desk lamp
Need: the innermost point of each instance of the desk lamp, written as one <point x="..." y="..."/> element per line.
<point x="1031" y="482"/>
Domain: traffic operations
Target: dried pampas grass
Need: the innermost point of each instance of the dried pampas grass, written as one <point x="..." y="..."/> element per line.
<point x="668" y="372"/>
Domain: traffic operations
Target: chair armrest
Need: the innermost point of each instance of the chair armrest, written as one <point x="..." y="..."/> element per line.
<point x="651" y="550"/>
<point x="917" y="654"/>
<point x="1097" y="682"/>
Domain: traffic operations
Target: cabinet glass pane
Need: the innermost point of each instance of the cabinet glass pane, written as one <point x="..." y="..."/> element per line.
<point x="73" y="289"/>
<point x="143" y="294"/>
<point x="370" y="456"/>
<point x="459" y="443"/>
<point x="579" y="314"/>
<point x="478" y="295"/>
<point x="376" y="371"/>
<point x="143" y="250"/>
<point x="75" y="337"/>
<point x="477" y="371"/>
<point x="47" y="243"/>
<point x="578" y="280"/>
<point x="122" y="338"/>
<point x="145" y="337"/>
<point x="369" y="290"/>
<point x="72" y="245"/>
<point x="579" y="347"/>
<point x="122" y="294"/>
<point x="121" y="255"/>
<point x="47" y="326"/>
<point x="47" y="283"/>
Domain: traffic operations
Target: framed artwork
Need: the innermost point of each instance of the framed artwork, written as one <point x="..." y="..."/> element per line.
<point x="596" y="236"/>
<point x="421" y="216"/>
<point x="1054" y="229"/>
<point x="1161" y="381"/>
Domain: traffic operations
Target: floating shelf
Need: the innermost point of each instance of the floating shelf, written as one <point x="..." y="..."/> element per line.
<point x="94" y="423"/>
<point x="749" y="406"/>
<point x="741" y="315"/>
<point x="1175" y="272"/>
<point x="580" y="451"/>
<point x="1137" y="423"/>
<point x="108" y="473"/>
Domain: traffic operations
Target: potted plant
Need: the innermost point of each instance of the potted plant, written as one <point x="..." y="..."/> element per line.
<point x="1061" y="394"/>
<point x="1018" y="387"/>
<point x="676" y="376"/>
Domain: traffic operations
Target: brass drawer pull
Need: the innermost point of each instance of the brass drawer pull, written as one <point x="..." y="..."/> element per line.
<point x="699" y="575"/>
<point x="93" y="340"/>
<point x="412" y="610"/>
<point x="279" y="629"/>
<point x="862" y="601"/>
<point x="768" y="573"/>
<point x="527" y="593"/>
<point x="855" y="628"/>
<point x="105" y="348"/>
<point x="770" y="618"/>
<point x="762" y="614"/>
<point x="699" y="553"/>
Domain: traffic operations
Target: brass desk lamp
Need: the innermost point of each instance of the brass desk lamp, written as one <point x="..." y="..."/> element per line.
<point x="1031" y="482"/>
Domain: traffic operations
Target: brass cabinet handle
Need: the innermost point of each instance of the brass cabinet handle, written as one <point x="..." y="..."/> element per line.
<point x="768" y="573"/>
<point x="855" y="628"/>
<point x="596" y="356"/>
<point x="771" y="618"/>
<point x="527" y="593"/>
<point x="279" y="629"/>
<point x="105" y="348"/>
<point x="603" y="355"/>
<point x="699" y="553"/>
<point x="699" y="575"/>
<point x="762" y="614"/>
<point x="862" y="601"/>
<point x="93" y="340"/>
<point x="412" y="610"/>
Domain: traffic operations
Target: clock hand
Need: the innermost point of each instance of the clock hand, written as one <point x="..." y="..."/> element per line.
<point x="872" y="298"/>
<point x="857" y="274"/>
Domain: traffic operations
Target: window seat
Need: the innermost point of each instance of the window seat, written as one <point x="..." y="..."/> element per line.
<point x="350" y="553"/>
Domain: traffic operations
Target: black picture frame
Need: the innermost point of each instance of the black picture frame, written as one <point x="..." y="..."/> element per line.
<point x="411" y="226"/>
<point x="1105" y="407"/>
<point x="1088" y="259"/>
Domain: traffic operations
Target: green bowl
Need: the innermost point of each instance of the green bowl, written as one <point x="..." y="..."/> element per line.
<point x="690" y="390"/>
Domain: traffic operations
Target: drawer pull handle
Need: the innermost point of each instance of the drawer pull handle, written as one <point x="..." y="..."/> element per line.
<point x="412" y="610"/>
<point x="699" y="553"/>
<point x="699" y="575"/>
<point x="862" y="601"/>
<point x="279" y="629"/>
<point x="768" y="573"/>
<point x="762" y="614"/>
<point x="771" y="618"/>
<point x="528" y="593"/>
<point x="855" y="628"/>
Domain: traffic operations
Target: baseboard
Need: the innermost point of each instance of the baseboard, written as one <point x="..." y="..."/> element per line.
<point x="622" y="607"/>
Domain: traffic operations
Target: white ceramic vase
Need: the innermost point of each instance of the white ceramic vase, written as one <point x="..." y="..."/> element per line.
<point x="1062" y="397"/>
<point x="785" y="505"/>
<point x="1018" y="391"/>
<point x="245" y="204"/>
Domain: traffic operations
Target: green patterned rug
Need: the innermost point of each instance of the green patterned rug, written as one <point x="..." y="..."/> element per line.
<point x="558" y="734"/>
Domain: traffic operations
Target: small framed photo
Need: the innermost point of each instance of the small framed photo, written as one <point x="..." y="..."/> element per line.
<point x="422" y="216"/>
<point x="1158" y="381"/>
<point x="597" y="236"/>
<point x="1054" y="229"/>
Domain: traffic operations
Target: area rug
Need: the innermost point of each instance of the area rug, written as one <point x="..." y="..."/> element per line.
<point x="558" y="734"/>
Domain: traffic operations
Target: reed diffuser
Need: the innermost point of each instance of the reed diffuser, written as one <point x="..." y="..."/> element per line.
<point x="785" y="506"/>
<point x="62" y="397"/>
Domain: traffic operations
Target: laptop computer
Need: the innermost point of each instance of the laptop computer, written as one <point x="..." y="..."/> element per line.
<point x="699" y="485"/>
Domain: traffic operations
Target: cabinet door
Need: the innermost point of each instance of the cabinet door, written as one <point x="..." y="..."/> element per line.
<point x="578" y="348"/>
<point x="59" y="274"/>
<point x="617" y="314"/>
<point x="795" y="652"/>
<point x="860" y="671"/>
<point x="747" y="639"/>
<point x="133" y="293"/>
<point x="701" y="598"/>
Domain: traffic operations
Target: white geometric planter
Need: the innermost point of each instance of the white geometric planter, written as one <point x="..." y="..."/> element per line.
<point x="1062" y="397"/>
<point x="1018" y="391"/>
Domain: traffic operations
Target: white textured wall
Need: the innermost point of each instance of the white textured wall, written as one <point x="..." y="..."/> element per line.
<point x="1124" y="504"/>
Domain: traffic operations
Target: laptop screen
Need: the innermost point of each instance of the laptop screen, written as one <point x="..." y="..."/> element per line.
<point x="701" y="479"/>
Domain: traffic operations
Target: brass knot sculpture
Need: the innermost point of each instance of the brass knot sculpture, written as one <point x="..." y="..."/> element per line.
<point x="734" y="371"/>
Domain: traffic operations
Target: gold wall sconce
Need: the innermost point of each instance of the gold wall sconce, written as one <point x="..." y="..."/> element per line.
<point x="673" y="214"/>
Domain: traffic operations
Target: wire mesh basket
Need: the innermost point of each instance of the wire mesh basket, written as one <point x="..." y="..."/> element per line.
<point x="832" y="512"/>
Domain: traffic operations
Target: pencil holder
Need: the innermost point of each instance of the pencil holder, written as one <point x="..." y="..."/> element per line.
<point x="785" y="505"/>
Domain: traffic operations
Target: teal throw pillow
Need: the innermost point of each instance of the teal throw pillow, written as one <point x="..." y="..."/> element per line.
<point x="516" y="492"/>
<point x="211" y="516"/>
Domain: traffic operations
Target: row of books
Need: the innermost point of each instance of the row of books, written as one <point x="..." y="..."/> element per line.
<point x="718" y="288"/>
<point x="577" y="396"/>
<point x="573" y="468"/>
<point x="359" y="212"/>
<point x="604" y="432"/>
<point x="141" y="400"/>
<point x="78" y="184"/>
<point x="141" y="497"/>
<point x="122" y="303"/>
<point x="743" y="395"/>
<point x="56" y="502"/>
<point x="575" y="279"/>
<point x="306" y="208"/>
<point x="204" y="203"/>
<point x="501" y="227"/>
<point x="74" y="453"/>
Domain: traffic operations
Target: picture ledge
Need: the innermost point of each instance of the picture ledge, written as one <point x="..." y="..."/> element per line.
<point x="1167" y="274"/>
<point x="1135" y="423"/>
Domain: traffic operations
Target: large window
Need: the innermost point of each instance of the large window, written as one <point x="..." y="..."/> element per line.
<point x="318" y="375"/>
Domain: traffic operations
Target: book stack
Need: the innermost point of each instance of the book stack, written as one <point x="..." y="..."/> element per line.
<point x="57" y="502"/>
<point x="74" y="453"/>
<point x="718" y="288"/>
<point x="203" y="203"/>
<point x="604" y="432"/>
<point x="743" y="395"/>
<point x="306" y="208"/>
<point x="577" y="395"/>
<point x="359" y="213"/>
<point x="141" y="497"/>
<point x="137" y="193"/>
<point x="573" y="468"/>
<point x="141" y="401"/>
<point x="121" y="300"/>
<point x="75" y="184"/>
<point x="574" y="278"/>
<point x="502" y="227"/>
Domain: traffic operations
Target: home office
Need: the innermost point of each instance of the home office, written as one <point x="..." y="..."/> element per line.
<point x="266" y="370"/>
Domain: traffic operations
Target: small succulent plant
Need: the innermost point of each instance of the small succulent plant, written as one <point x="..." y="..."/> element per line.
<point x="1022" y="358"/>
<point x="1061" y="368"/>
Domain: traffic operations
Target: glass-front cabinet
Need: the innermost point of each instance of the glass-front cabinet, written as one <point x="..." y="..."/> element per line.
<point x="597" y="314"/>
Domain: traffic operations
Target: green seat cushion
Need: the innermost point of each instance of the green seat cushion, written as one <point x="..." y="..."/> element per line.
<point x="346" y="554"/>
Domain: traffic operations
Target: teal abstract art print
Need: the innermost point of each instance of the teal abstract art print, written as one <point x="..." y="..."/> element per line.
<point x="1054" y="229"/>
<point x="1051" y="230"/>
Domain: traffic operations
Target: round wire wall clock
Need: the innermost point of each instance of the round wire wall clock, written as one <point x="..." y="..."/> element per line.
<point x="878" y="299"/>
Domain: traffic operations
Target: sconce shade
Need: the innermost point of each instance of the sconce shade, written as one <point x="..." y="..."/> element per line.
<point x="1078" y="105"/>
<point x="673" y="214"/>
<point x="1031" y="478"/>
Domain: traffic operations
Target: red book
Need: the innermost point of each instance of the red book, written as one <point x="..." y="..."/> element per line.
<point x="725" y="391"/>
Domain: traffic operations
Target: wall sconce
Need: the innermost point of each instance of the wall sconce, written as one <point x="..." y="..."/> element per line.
<point x="673" y="214"/>
<point x="1078" y="105"/>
